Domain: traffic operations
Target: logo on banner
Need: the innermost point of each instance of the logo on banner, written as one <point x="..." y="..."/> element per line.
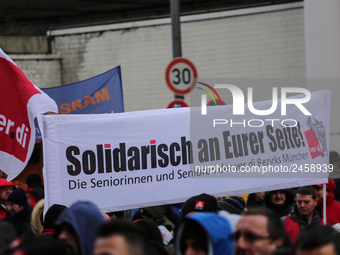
<point x="18" y="133"/>
<point x="239" y="105"/>
<point x="238" y="100"/>
<point x="204" y="97"/>
<point x="316" y="138"/>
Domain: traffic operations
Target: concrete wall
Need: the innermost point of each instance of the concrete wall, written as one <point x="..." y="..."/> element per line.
<point x="42" y="69"/>
<point x="24" y="44"/>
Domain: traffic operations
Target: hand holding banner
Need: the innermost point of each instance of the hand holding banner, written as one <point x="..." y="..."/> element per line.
<point x="20" y="102"/>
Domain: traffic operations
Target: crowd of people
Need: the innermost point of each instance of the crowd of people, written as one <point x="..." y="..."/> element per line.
<point x="289" y="221"/>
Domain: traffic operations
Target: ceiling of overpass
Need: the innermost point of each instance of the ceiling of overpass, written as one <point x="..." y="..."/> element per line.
<point x="35" y="17"/>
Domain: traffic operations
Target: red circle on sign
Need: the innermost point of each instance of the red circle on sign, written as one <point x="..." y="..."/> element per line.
<point x="177" y="104"/>
<point x="167" y="75"/>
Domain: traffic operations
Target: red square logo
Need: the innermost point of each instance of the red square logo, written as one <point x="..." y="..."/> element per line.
<point x="199" y="205"/>
<point x="152" y="141"/>
<point x="313" y="144"/>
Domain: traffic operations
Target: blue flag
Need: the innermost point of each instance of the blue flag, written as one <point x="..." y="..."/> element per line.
<point x="100" y="94"/>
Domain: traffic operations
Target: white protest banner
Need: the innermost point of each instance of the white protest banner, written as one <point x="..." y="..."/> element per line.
<point x="20" y="102"/>
<point x="138" y="159"/>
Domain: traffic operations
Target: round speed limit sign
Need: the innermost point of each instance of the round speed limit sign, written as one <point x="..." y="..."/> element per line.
<point x="181" y="76"/>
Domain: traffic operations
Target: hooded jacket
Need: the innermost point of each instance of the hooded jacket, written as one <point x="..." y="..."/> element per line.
<point x="217" y="229"/>
<point x="36" y="217"/>
<point x="332" y="206"/>
<point x="4" y="183"/>
<point x="332" y="209"/>
<point x="295" y="222"/>
<point x="85" y="218"/>
<point x="285" y="208"/>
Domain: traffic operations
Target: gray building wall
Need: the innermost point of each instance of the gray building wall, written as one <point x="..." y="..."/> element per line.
<point x="42" y="69"/>
<point x="267" y="44"/>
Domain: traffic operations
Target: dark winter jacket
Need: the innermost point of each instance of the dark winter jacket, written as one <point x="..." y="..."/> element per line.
<point x="295" y="222"/>
<point x="85" y="218"/>
<point x="157" y="213"/>
<point x="7" y="235"/>
<point x="21" y="221"/>
<point x="252" y="201"/>
<point x="285" y="208"/>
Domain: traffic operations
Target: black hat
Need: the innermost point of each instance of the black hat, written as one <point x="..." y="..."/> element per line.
<point x="52" y="214"/>
<point x="153" y="235"/>
<point x="233" y="205"/>
<point x="200" y="203"/>
<point x="33" y="180"/>
<point x="18" y="197"/>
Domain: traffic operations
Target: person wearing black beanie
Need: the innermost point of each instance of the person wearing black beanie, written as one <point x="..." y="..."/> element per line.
<point x="153" y="236"/>
<point x="19" y="212"/>
<point x="200" y="203"/>
<point x="51" y="216"/>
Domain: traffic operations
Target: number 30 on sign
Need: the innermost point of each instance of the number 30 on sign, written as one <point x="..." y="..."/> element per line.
<point x="181" y="76"/>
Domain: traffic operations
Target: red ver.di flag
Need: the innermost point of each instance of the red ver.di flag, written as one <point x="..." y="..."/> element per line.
<point x="20" y="102"/>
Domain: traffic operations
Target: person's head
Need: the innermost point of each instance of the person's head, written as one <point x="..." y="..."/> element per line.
<point x="330" y="187"/>
<point x="194" y="240"/>
<point x="260" y="195"/>
<point x="78" y="226"/>
<point x="318" y="240"/>
<point x="6" y="188"/>
<point x="259" y="231"/>
<point x="33" y="180"/>
<point x="52" y="214"/>
<point x="319" y="191"/>
<point x="306" y="201"/>
<point x="67" y="234"/>
<point x="334" y="159"/>
<point x="120" y="238"/>
<point x="204" y="233"/>
<point x="233" y="205"/>
<point x="278" y="197"/>
<point x="16" y="201"/>
<point x="200" y="203"/>
<point x="153" y="234"/>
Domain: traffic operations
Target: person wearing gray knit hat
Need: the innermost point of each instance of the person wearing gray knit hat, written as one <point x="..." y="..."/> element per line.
<point x="233" y="205"/>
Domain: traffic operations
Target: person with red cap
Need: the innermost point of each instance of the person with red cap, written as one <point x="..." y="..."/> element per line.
<point x="6" y="188"/>
<point x="332" y="206"/>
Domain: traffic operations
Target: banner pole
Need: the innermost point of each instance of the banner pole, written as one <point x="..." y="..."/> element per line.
<point x="324" y="204"/>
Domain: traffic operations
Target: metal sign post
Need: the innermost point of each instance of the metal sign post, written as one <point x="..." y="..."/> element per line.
<point x="176" y="32"/>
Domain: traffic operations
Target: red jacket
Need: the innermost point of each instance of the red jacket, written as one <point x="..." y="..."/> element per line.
<point x="294" y="222"/>
<point x="2" y="212"/>
<point x="35" y="194"/>
<point x="332" y="209"/>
